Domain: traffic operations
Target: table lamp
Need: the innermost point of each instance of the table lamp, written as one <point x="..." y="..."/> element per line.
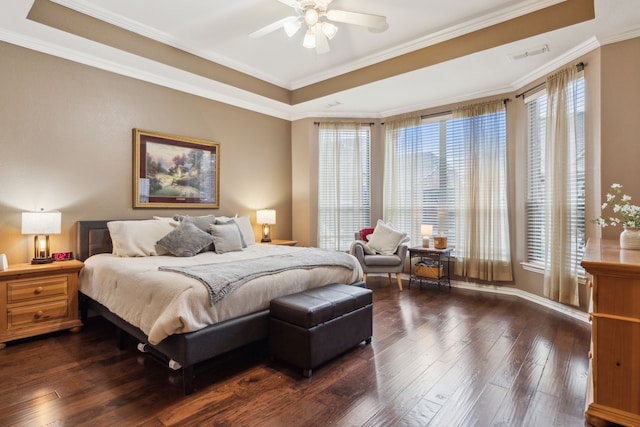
<point x="426" y="230"/>
<point x="266" y="217"/>
<point x="41" y="224"/>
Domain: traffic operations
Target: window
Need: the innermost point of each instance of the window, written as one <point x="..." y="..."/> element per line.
<point x="430" y="160"/>
<point x="344" y="183"/>
<point x="536" y="116"/>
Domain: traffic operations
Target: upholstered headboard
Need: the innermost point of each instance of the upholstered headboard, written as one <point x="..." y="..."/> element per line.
<point x="92" y="237"/>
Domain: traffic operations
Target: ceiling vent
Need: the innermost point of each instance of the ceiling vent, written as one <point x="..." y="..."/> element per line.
<point x="532" y="52"/>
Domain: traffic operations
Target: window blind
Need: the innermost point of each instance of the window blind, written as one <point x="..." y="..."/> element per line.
<point x="430" y="159"/>
<point x="536" y="106"/>
<point x="344" y="183"/>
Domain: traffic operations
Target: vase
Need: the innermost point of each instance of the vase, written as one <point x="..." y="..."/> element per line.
<point x="630" y="238"/>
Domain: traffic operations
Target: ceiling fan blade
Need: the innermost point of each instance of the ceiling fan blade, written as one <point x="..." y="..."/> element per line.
<point x="376" y="23"/>
<point x="292" y="3"/>
<point x="272" y="27"/>
<point x="322" y="43"/>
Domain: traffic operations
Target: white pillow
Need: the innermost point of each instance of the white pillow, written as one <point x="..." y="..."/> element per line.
<point x="386" y="239"/>
<point x="138" y="238"/>
<point x="244" y="224"/>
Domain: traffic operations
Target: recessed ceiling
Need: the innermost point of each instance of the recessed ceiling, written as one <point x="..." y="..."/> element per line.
<point x="219" y="32"/>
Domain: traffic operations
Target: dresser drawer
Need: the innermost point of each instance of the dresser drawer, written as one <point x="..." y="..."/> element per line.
<point x="36" y="313"/>
<point x="29" y="289"/>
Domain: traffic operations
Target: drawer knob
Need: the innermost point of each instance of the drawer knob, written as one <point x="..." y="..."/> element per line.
<point x="39" y="314"/>
<point x="38" y="290"/>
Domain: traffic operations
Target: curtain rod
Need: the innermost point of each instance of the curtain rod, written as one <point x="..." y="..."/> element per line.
<point x="448" y="112"/>
<point x="364" y="124"/>
<point x="579" y="66"/>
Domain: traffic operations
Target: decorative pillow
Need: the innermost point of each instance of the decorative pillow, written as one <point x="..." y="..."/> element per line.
<point x="226" y="237"/>
<point x="246" y="230"/>
<point x="233" y="222"/>
<point x="186" y="239"/>
<point x="170" y="219"/>
<point x="138" y="237"/>
<point x="386" y="239"/>
<point x="202" y="222"/>
<point x="365" y="232"/>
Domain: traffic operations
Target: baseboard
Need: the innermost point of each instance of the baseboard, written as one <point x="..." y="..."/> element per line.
<point x="506" y="290"/>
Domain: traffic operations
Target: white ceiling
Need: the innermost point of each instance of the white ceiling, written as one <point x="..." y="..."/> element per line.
<point x="218" y="31"/>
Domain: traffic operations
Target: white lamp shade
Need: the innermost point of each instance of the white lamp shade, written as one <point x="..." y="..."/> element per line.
<point x="41" y="222"/>
<point x="266" y="216"/>
<point x="426" y="230"/>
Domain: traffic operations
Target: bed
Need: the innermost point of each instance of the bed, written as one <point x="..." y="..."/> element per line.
<point x="174" y="314"/>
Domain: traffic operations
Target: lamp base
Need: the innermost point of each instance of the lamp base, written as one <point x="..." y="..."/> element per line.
<point x="266" y="240"/>
<point x="41" y="260"/>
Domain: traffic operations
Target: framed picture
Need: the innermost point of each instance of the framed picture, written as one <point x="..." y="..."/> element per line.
<point x="175" y="172"/>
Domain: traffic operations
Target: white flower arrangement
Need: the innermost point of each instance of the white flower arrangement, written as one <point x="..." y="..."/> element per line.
<point x="624" y="212"/>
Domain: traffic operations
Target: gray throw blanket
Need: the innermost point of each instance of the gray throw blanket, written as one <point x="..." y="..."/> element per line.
<point x="221" y="279"/>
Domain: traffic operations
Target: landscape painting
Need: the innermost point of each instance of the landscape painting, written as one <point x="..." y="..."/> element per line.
<point x="172" y="171"/>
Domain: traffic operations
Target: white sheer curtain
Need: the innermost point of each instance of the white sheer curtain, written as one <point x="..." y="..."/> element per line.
<point x="403" y="171"/>
<point x="482" y="223"/>
<point x="344" y="188"/>
<point x="561" y="201"/>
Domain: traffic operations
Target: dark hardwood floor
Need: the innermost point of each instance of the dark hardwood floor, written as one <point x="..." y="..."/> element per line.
<point x="437" y="358"/>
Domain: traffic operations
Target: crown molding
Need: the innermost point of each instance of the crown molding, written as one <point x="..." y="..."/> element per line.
<point x="166" y="76"/>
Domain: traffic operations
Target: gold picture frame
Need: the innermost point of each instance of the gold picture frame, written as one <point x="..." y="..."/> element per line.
<point x="172" y="171"/>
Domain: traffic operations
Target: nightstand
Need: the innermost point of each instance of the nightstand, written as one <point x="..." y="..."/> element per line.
<point x="280" y="242"/>
<point x="38" y="299"/>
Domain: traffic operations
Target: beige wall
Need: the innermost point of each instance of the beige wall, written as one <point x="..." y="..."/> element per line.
<point x="620" y="131"/>
<point x="66" y="144"/>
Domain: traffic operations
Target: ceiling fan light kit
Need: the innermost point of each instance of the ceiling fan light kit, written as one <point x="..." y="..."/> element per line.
<point x="316" y="17"/>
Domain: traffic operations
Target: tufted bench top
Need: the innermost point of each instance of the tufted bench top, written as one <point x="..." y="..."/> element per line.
<point x="315" y="306"/>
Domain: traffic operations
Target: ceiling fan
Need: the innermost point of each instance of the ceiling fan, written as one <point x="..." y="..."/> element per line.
<point x="316" y="15"/>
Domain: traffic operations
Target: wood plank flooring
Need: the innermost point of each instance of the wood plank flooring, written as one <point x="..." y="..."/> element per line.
<point x="437" y="358"/>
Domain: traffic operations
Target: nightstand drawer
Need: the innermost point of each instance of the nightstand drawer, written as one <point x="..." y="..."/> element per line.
<point x="36" y="313"/>
<point x="29" y="289"/>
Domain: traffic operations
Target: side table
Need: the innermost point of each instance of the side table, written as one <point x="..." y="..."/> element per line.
<point x="438" y="260"/>
<point x="38" y="298"/>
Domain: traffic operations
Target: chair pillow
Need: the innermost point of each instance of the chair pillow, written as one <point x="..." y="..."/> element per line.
<point x="386" y="239"/>
<point x="365" y="233"/>
<point x="186" y="239"/>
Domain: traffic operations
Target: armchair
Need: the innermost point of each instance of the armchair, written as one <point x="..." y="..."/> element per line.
<point x="377" y="263"/>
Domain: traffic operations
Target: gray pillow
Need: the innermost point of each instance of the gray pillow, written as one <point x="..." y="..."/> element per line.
<point x="202" y="222"/>
<point x="233" y="221"/>
<point x="226" y="237"/>
<point x="186" y="239"/>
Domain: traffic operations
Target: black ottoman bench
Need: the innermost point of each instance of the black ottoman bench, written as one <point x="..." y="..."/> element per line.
<point x="309" y="328"/>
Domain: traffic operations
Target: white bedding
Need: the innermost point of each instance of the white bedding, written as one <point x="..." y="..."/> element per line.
<point x="163" y="303"/>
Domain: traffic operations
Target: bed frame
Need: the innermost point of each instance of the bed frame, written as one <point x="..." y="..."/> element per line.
<point x="180" y="350"/>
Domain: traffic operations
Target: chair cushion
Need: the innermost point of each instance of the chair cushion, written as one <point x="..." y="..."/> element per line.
<point x="382" y="260"/>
